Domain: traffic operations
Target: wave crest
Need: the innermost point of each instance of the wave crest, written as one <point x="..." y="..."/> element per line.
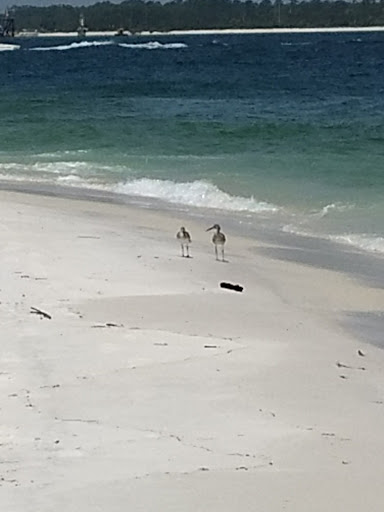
<point x="195" y="193"/>
<point x="154" y="45"/>
<point x="71" y="46"/>
<point x="9" y="47"/>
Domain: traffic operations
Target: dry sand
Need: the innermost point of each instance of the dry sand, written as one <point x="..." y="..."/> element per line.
<point x="152" y="389"/>
<point x="291" y="30"/>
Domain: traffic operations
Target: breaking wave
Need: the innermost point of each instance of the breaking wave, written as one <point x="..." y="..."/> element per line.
<point x="9" y="47"/>
<point x="89" y="176"/>
<point x="151" y="45"/>
<point x="195" y="193"/>
<point x="154" y="45"/>
<point x="71" y="46"/>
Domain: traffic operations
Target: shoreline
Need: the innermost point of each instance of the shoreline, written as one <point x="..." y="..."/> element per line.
<point x="367" y="262"/>
<point x="149" y="380"/>
<point x="209" y="32"/>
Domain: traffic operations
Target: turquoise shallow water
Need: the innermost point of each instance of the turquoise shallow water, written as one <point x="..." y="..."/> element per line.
<point x="279" y="129"/>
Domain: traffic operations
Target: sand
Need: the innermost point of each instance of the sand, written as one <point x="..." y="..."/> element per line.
<point x="291" y="30"/>
<point x="150" y="388"/>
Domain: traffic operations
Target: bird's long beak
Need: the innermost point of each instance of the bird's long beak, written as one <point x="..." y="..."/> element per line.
<point x="209" y="229"/>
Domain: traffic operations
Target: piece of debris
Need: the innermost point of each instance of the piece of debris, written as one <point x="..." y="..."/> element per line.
<point x="361" y="353"/>
<point x="341" y="365"/>
<point x="43" y="314"/>
<point x="210" y="346"/>
<point x="230" y="286"/>
<point x="161" y="344"/>
<point x="103" y="326"/>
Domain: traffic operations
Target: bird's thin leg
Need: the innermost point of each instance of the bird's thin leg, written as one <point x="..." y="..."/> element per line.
<point x="182" y="250"/>
<point x="187" y="251"/>
<point x="222" y="253"/>
<point x="217" y="257"/>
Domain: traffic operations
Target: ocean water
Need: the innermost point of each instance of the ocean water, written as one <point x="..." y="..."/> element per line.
<point x="278" y="131"/>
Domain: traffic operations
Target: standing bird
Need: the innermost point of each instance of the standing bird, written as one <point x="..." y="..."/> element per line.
<point x="218" y="239"/>
<point x="185" y="239"/>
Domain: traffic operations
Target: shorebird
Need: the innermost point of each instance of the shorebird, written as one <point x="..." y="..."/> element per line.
<point x="185" y="239"/>
<point x="218" y="239"/>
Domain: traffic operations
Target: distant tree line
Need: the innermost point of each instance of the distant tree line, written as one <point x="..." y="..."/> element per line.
<point x="139" y="15"/>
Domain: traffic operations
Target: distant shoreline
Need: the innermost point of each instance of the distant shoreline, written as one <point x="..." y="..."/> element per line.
<point x="207" y="32"/>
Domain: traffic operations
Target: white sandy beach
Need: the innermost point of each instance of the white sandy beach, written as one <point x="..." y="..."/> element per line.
<point x="291" y="30"/>
<point x="153" y="389"/>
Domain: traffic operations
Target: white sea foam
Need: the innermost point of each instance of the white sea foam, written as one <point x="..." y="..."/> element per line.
<point x="295" y="230"/>
<point x="361" y="241"/>
<point x="153" y="45"/>
<point x="60" y="154"/>
<point x="72" y="46"/>
<point x="71" y="179"/>
<point x="370" y="243"/>
<point x="333" y="207"/>
<point x="9" y="47"/>
<point x="195" y="193"/>
<point x="53" y="171"/>
<point x="89" y="175"/>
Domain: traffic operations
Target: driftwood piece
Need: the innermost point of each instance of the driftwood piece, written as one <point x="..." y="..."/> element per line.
<point x="230" y="286"/>
<point x="43" y="314"/>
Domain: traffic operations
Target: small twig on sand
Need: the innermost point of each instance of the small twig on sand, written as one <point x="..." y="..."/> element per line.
<point x="341" y="365"/>
<point x="108" y="324"/>
<point x="43" y="314"/>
